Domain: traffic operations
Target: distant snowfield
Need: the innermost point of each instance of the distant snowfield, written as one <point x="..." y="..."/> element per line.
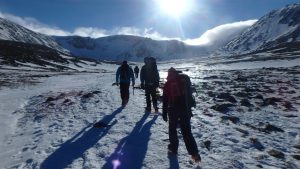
<point x="48" y="125"/>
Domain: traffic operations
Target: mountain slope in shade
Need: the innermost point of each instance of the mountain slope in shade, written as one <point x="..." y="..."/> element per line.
<point x="120" y="47"/>
<point x="278" y="27"/>
<point x="11" y="31"/>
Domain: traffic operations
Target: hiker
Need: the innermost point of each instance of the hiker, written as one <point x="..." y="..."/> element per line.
<point x="177" y="104"/>
<point x="136" y="71"/>
<point x="149" y="82"/>
<point x="123" y="76"/>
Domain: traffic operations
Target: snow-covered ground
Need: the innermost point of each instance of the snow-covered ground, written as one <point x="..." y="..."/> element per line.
<point x="247" y="116"/>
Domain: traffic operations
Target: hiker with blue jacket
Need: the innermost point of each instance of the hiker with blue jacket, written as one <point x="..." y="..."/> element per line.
<point x="123" y="77"/>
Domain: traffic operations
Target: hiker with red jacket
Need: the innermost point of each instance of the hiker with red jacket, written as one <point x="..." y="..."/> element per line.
<point x="177" y="104"/>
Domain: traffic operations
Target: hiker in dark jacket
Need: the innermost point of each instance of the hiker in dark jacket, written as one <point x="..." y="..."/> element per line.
<point x="177" y="103"/>
<point x="123" y="76"/>
<point x="136" y="71"/>
<point x="149" y="82"/>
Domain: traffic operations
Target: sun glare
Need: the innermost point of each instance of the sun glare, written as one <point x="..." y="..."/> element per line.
<point x="174" y="8"/>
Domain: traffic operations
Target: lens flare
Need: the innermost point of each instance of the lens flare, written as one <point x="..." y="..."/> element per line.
<point x="116" y="163"/>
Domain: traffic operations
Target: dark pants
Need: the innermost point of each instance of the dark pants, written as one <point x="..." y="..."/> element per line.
<point x="184" y="120"/>
<point x="124" y="90"/>
<point x="136" y="75"/>
<point x="150" y="92"/>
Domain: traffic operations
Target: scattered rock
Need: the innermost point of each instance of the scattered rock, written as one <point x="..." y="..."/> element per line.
<point x="223" y="108"/>
<point x="50" y="99"/>
<point x="246" y="103"/>
<point x="271" y="101"/>
<point x="241" y="94"/>
<point x="296" y="156"/>
<point x="207" y="144"/>
<point x="51" y="104"/>
<point x="208" y="114"/>
<point x="276" y="154"/>
<point x="288" y="105"/>
<point x="60" y="96"/>
<point x="211" y="94"/>
<point x="271" y="128"/>
<point x="227" y="96"/>
<point x="233" y="119"/>
<point x="210" y="77"/>
<point x="88" y="95"/>
<point x="241" y="79"/>
<point x="297" y="146"/>
<point x="259" y="166"/>
<point x="245" y="132"/>
<point x="290" y="115"/>
<point x="66" y="101"/>
<point x="257" y="144"/>
<point x="259" y="96"/>
<point x="96" y="92"/>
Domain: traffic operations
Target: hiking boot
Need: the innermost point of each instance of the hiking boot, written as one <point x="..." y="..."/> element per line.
<point x="196" y="158"/>
<point x="148" y="109"/>
<point x="172" y="152"/>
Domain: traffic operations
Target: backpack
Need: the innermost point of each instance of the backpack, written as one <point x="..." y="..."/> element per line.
<point x="124" y="74"/>
<point x="180" y="91"/>
<point x="187" y="90"/>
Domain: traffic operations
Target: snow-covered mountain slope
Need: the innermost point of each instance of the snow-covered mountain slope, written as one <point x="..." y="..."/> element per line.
<point x="276" y="28"/>
<point x="135" y="48"/>
<point x="25" y="56"/>
<point x="13" y="32"/>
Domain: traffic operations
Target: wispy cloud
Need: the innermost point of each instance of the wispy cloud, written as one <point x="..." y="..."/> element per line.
<point x="90" y="32"/>
<point x="214" y="36"/>
<point x="221" y="34"/>
<point x="34" y="25"/>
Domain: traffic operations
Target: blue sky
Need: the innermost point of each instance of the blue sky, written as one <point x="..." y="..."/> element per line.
<point x="105" y="17"/>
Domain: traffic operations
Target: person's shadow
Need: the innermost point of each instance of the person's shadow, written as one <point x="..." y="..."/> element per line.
<point x="173" y="160"/>
<point x="131" y="151"/>
<point x="75" y="147"/>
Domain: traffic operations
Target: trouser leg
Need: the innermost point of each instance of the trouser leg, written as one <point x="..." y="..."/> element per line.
<point x="189" y="140"/>
<point x="124" y="89"/>
<point x="154" y="97"/>
<point x="148" y="99"/>
<point x="173" y="137"/>
<point x="127" y="92"/>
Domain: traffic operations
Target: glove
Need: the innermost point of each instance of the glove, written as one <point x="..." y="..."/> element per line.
<point x="165" y="117"/>
<point x="143" y="86"/>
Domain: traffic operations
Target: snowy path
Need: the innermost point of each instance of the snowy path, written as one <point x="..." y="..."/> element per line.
<point x="58" y="133"/>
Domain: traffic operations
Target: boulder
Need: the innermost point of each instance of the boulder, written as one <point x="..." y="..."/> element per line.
<point x="246" y="103"/>
<point x="271" y="128"/>
<point x="276" y="154"/>
<point x="223" y="108"/>
<point x="257" y="144"/>
<point x="233" y="119"/>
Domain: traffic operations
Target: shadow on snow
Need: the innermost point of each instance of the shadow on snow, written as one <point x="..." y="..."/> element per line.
<point x="75" y="147"/>
<point x="131" y="150"/>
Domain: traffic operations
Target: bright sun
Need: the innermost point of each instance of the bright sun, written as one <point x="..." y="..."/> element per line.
<point x="174" y="8"/>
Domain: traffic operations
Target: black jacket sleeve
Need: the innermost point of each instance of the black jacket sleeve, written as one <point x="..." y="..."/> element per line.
<point x="165" y="101"/>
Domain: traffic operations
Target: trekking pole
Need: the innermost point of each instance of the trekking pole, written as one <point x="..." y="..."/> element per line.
<point x="132" y="90"/>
